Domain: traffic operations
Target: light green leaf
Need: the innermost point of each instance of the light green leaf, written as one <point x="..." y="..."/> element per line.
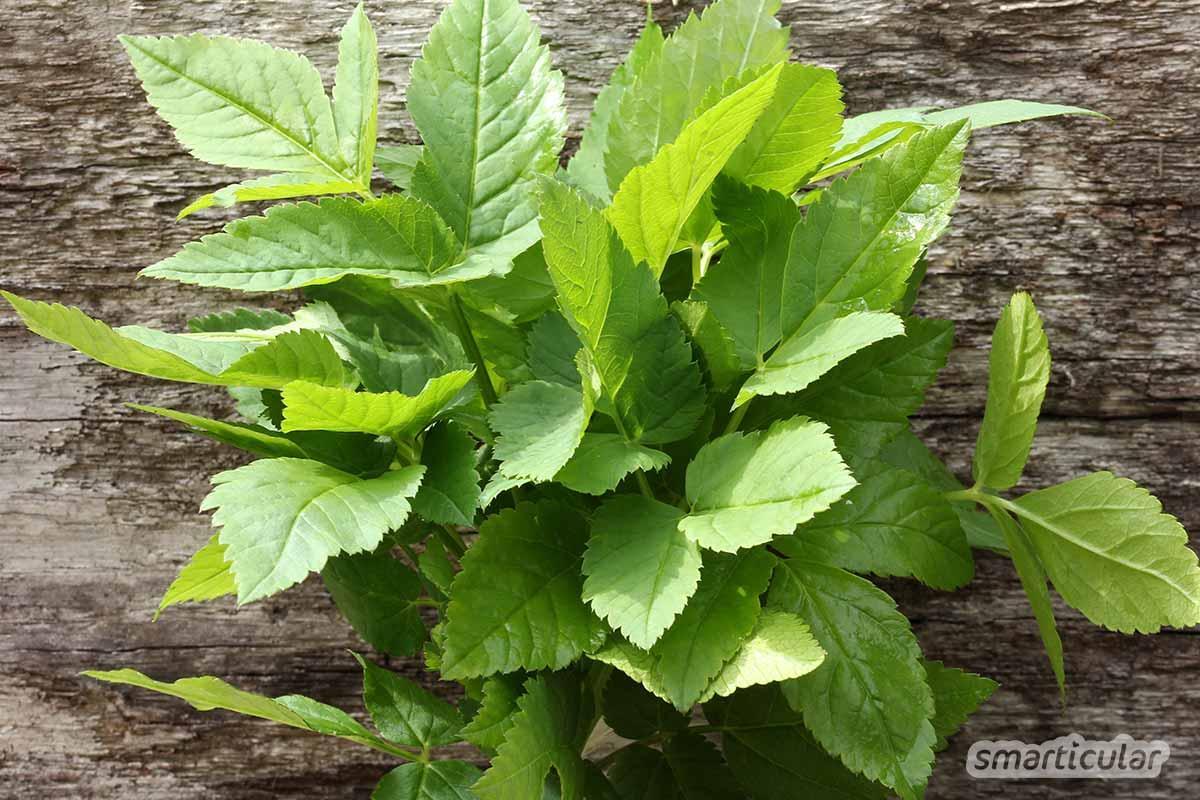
<point x="395" y="237"/>
<point x="780" y="648"/>
<point x="640" y="568"/>
<point x="717" y="620"/>
<point x="744" y="288"/>
<point x="309" y="407"/>
<point x="891" y="523"/>
<point x="813" y="351"/>
<point x="744" y="489"/>
<point x="1113" y="554"/>
<point x="868" y="704"/>
<point x="326" y="719"/>
<point x="404" y="712"/>
<point x="857" y="244"/>
<point x="449" y="492"/>
<point x="538" y="425"/>
<point x="1019" y="369"/>
<point x="956" y="696"/>
<point x="546" y="734"/>
<point x="727" y="39"/>
<point x="495" y="716"/>
<point x="586" y="169"/>
<point x="293" y="356"/>
<point x="432" y="780"/>
<point x="795" y="133"/>
<point x="280" y="186"/>
<point x="251" y="438"/>
<point x="483" y="59"/>
<point x="710" y="337"/>
<point x="602" y="461"/>
<point x="206" y="576"/>
<point x="516" y="603"/>
<point x="356" y="95"/>
<point x="377" y="595"/>
<point x="655" y="200"/>
<point x="397" y="162"/>
<point x="241" y="103"/>
<point x="239" y="319"/>
<point x="1003" y="112"/>
<point x="282" y="518"/>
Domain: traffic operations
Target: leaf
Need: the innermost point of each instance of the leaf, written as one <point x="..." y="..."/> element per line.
<point x="396" y="237"/>
<point x="484" y="61"/>
<point x="812" y="352"/>
<point x="293" y="356"/>
<point x="1003" y="112"/>
<point x="1113" y="554"/>
<point x="640" y="568"/>
<point x="956" y="696"/>
<point x="495" y="716"/>
<point x="727" y="39"/>
<point x="433" y="780"/>
<point x="717" y="620"/>
<point x="309" y="407"/>
<point x="435" y="566"/>
<point x="538" y="425"/>
<point x="640" y="357"/>
<point x="552" y="349"/>
<point x="356" y="95"/>
<point x="238" y="319"/>
<point x="744" y="288"/>
<point x="241" y="103"/>
<point x="603" y="460"/>
<point x="709" y="336"/>
<point x="525" y="292"/>
<point x="634" y="713"/>
<point x="655" y="200"/>
<point x="774" y="757"/>
<point x="397" y="162"/>
<point x="1019" y="369"/>
<point x="280" y="186"/>
<point x="449" y="492"/>
<point x="311" y="512"/>
<point x="516" y="603"/>
<point x="868" y="704"/>
<point x="545" y="734"/>
<point x="404" y="712"/>
<point x="377" y="595"/>
<point x="795" y="133"/>
<point x="586" y="169"/>
<point x="857" y="244"/>
<point x="206" y="576"/>
<point x="891" y="523"/>
<point x="687" y="766"/>
<point x="745" y="489"/>
<point x="780" y="648"/>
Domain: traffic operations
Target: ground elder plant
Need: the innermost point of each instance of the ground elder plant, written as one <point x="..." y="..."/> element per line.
<point x="617" y="447"/>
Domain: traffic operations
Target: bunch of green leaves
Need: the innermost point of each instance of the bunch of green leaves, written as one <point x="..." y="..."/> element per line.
<point x="618" y="446"/>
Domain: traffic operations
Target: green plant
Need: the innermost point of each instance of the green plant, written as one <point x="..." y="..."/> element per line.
<point x="629" y="431"/>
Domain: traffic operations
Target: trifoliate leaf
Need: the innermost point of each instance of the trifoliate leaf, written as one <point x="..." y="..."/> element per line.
<point x="813" y="351"/>
<point x="397" y="162"/>
<point x="356" y="95"/>
<point x="744" y="288"/>
<point x="1017" y="376"/>
<point x="891" y="523"/>
<point x="727" y="39"/>
<point x="282" y="518"/>
<point x="377" y="595"/>
<point x="1113" y="554"/>
<point x="308" y="407"/>
<point x="780" y="648"/>
<point x="206" y="576"/>
<point x="717" y="620"/>
<point x="857" y="244"/>
<point x="868" y="704"/>
<point x="688" y="766"/>
<point x="396" y="237"/>
<point x="634" y="713"/>
<point x="449" y="492"/>
<point x="538" y="425"/>
<point x="655" y="200"/>
<point x="956" y="696"/>
<point x="495" y="716"/>
<point x="795" y="133"/>
<point x="516" y="603"/>
<point x="404" y="712"/>
<point x="428" y="780"/>
<point x="546" y="734"/>
<point x="483" y="59"/>
<point x="602" y="461"/>
<point x="774" y="757"/>
<point x="640" y="568"/>
<point x="744" y="489"/>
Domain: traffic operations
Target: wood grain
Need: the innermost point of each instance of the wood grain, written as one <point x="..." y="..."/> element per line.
<point x="1099" y="221"/>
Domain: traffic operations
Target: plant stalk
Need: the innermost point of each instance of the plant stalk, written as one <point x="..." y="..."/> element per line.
<point x="486" y="389"/>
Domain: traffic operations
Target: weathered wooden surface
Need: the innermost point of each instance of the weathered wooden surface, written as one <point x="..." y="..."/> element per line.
<point x="1099" y="221"/>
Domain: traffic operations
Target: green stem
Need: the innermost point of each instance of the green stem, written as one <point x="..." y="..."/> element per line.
<point x="735" y="419"/>
<point x="452" y="541"/>
<point x="486" y="389"/>
<point x="697" y="264"/>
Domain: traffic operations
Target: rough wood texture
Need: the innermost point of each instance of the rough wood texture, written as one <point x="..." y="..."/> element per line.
<point x="1099" y="221"/>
